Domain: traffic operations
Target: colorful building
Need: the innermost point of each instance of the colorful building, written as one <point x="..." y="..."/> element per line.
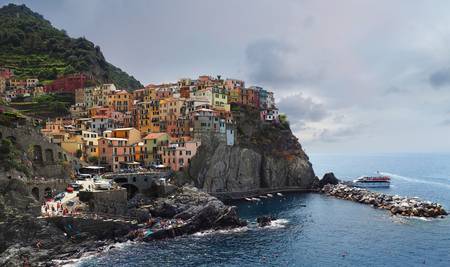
<point x="151" y="143"/>
<point x="178" y="155"/>
<point x="90" y="140"/>
<point x="120" y="101"/>
<point x="132" y="135"/>
<point x="113" y="151"/>
<point x="148" y="116"/>
<point x="68" y="83"/>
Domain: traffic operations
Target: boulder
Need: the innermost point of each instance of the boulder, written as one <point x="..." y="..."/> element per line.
<point x="328" y="178"/>
<point x="264" y="220"/>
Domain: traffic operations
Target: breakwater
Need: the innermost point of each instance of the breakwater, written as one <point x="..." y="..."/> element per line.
<point x="396" y="205"/>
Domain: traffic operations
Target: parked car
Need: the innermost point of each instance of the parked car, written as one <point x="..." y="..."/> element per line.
<point x="59" y="196"/>
<point x="76" y="186"/>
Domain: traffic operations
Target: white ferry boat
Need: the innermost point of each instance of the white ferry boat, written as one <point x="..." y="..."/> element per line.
<point x="372" y="181"/>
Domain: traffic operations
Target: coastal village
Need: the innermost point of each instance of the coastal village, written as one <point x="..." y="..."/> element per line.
<point x="158" y="125"/>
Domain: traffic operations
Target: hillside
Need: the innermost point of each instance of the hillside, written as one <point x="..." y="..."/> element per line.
<point x="32" y="47"/>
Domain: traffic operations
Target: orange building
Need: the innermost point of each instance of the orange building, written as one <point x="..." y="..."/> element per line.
<point x="120" y="101"/>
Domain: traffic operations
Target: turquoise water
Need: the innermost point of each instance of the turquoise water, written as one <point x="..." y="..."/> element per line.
<point x="315" y="230"/>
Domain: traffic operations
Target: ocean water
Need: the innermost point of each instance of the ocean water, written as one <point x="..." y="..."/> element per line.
<point x="316" y="230"/>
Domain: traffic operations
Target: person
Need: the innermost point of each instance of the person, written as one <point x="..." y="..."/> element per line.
<point x="26" y="262"/>
<point x="39" y="244"/>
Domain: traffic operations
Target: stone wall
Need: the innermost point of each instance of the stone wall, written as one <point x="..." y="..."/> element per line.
<point x="107" y="201"/>
<point x="48" y="160"/>
<point x="142" y="182"/>
<point x="39" y="188"/>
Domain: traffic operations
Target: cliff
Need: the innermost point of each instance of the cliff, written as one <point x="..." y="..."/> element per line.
<point x="265" y="157"/>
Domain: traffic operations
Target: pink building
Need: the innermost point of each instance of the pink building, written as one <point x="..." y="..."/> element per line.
<point x="113" y="151"/>
<point x="178" y="155"/>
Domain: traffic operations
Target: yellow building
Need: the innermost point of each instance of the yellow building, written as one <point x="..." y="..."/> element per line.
<point x="148" y="116"/>
<point x="132" y="135"/>
<point x="150" y="149"/>
<point x="220" y="99"/>
<point x="121" y="101"/>
<point x="149" y="93"/>
<point x="73" y="144"/>
<point x="90" y="140"/>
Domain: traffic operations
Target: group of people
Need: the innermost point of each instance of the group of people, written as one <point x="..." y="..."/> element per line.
<point x="49" y="209"/>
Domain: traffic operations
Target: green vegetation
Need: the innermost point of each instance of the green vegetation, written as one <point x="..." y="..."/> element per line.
<point x="10" y="157"/>
<point x="79" y="153"/>
<point x="284" y="121"/>
<point x="32" y="47"/>
<point x="46" y="106"/>
<point x="10" y="119"/>
<point x="93" y="159"/>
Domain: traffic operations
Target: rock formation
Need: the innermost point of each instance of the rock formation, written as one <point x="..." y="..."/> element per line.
<point x="200" y="210"/>
<point x="265" y="156"/>
<point x="395" y="204"/>
<point x="328" y="178"/>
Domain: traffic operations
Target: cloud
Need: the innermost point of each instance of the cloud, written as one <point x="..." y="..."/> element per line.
<point x="336" y="135"/>
<point x="302" y="109"/>
<point x="445" y="122"/>
<point x="440" y="78"/>
<point x="395" y="90"/>
<point x="276" y="63"/>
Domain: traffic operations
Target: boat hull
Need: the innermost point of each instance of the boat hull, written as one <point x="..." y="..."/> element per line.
<point x="372" y="184"/>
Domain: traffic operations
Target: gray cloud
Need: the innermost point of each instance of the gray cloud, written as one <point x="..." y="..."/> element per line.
<point x="440" y="78"/>
<point x="267" y="62"/>
<point x="445" y="122"/>
<point x="336" y="135"/>
<point x="276" y="63"/>
<point x="395" y="90"/>
<point x="301" y="109"/>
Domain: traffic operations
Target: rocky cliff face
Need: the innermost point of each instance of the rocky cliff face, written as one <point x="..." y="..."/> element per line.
<point x="266" y="156"/>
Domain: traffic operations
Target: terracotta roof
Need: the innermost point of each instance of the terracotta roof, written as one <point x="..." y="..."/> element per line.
<point x="154" y="135"/>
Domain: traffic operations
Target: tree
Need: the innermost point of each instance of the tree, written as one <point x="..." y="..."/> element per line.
<point x="92" y="159"/>
<point x="79" y="153"/>
<point x="59" y="108"/>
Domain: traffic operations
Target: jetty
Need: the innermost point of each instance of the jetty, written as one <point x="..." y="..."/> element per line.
<point x="396" y="205"/>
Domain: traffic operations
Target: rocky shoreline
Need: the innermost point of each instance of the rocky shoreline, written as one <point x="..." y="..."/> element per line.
<point x="29" y="240"/>
<point x="396" y="205"/>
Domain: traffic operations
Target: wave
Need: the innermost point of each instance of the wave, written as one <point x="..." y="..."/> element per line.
<point x="275" y="224"/>
<point x="414" y="180"/>
<point x="224" y="231"/>
<point x="92" y="254"/>
<point x="278" y="223"/>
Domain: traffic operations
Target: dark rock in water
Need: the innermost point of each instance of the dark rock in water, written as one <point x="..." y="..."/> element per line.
<point x="265" y="220"/>
<point x="328" y="178"/>
<point x="199" y="210"/>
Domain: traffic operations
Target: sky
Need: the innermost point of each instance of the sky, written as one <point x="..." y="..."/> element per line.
<point x="353" y="76"/>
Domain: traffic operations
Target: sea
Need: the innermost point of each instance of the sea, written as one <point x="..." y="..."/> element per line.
<point x="316" y="230"/>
